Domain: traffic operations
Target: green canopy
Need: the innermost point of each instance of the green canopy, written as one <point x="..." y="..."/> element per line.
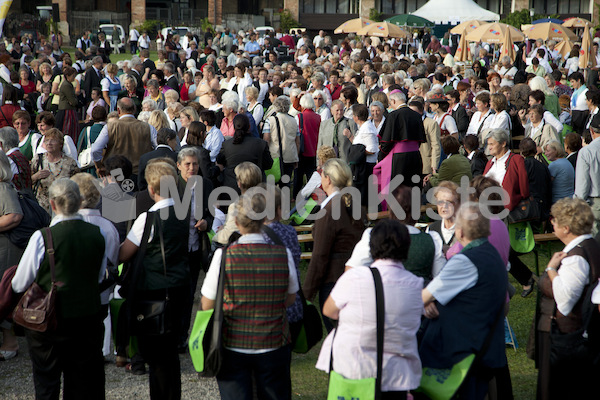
<point x="411" y="21"/>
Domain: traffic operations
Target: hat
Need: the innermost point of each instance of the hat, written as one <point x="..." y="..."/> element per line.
<point x="437" y="98"/>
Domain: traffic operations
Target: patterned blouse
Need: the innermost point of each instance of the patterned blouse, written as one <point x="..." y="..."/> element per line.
<point x="289" y="237"/>
<point x="66" y="167"/>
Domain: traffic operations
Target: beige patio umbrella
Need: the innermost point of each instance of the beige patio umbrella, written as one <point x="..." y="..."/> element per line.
<point x="584" y="53"/>
<point x="508" y="48"/>
<point x="469" y="26"/>
<point x="564" y="48"/>
<point x="383" y="29"/>
<point x="494" y="33"/>
<point x="353" y="25"/>
<point x="576" y="22"/>
<point x="462" y="52"/>
<point x="550" y="31"/>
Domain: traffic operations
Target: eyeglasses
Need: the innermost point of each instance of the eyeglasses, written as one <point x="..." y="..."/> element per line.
<point x="444" y="203"/>
<point x="318" y="98"/>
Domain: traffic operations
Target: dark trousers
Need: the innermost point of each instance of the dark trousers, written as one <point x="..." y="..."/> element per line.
<point x="306" y="166"/>
<point x="73" y="350"/>
<point x="160" y="351"/>
<point x="288" y="169"/>
<point x="271" y="372"/>
<point x="324" y="291"/>
<point x="134" y="47"/>
<point x="195" y="264"/>
<point x="518" y="269"/>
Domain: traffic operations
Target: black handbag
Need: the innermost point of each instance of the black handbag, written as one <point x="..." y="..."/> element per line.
<point x="212" y="344"/>
<point x="153" y="317"/>
<point x="527" y="210"/>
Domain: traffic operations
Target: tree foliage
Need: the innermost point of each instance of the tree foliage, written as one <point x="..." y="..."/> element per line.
<point x="286" y="21"/>
<point x="375" y="15"/>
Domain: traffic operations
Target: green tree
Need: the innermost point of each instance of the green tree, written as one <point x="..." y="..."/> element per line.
<point x="522" y="17"/>
<point x="286" y="21"/>
<point x="375" y="15"/>
<point x="151" y="26"/>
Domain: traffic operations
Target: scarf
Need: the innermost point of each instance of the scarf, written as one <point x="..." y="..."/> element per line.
<point x="576" y="94"/>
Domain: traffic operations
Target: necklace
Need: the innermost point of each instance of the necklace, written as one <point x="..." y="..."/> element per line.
<point x="56" y="175"/>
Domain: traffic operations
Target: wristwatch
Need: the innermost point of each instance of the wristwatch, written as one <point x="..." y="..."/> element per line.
<point x="551" y="269"/>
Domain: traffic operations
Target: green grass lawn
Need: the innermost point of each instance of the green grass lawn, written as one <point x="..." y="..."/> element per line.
<point x="310" y="383"/>
<point x="113" y="57"/>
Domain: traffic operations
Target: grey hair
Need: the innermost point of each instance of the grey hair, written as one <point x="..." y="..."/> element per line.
<point x="187" y="152"/>
<point x="472" y="222"/>
<point x="387" y="78"/>
<point x="97" y="60"/>
<point x="307" y="102"/>
<point x="150" y="102"/>
<point x="169" y="67"/>
<point x="560" y="151"/>
<point x="499" y="135"/>
<point x="378" y="104"/>
<point x="9" y="138"/>
<point x="152" y="82"/>
<point x="66" y="196"/>
<point x="282" y="104"/>
<point x="135" y="61"/>
<point x="6" y="174"/>
<point x="505" y="59"/>
<point x="398" y="96"/>
<point x="319" y="77"/>
<point x="468" y="73"/>
<point x="144" y="115"/>
<point x="231" y="103"/>
<point x="129" y="78"/>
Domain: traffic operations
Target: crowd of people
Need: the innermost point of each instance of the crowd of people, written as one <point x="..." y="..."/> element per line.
<point x="93" y="142"/>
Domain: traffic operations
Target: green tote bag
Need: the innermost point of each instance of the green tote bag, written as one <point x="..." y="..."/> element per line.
<point x="341" y="388"/>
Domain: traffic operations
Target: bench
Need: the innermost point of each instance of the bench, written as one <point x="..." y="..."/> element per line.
<point x="540" y="239"/>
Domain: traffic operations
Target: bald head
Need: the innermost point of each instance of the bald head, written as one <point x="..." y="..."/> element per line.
<point x="125" y="106"/>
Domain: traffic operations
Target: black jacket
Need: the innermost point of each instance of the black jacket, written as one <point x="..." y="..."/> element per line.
<point x="462" y="120"/>
<point x="90" y="81"/>
<point x="160" y="152"/>
<point x="478" y="163"/>
<point x="250" y="149"/>
<point x="173" y="83"/>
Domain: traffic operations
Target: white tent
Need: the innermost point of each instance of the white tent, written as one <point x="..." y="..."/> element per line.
<point x="454" y="12"/>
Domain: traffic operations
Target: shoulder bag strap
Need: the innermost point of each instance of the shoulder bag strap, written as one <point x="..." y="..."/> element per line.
<point x="137" y="264"/>
<point x="162" y="252"/>
<point x="4" y="115"/>
<point x="280" y="145"/>
<point x="50" y="251"/>
<point x="483" y="122"/>
<point x="218" y="313"/>
<point x="380" y="301"/>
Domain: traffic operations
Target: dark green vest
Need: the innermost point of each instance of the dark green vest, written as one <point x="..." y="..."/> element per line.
<point x="420" y="255"/>
<point x="176" y="235"/>
<point x="78" y="254"/>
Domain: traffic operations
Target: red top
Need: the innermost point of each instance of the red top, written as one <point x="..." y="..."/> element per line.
<point x="184" y="92"/>
<point x="516" y="181"/>
<point x="311" y="122"/>
<point x="335" y="93"/>
<point x="29" y="88"/>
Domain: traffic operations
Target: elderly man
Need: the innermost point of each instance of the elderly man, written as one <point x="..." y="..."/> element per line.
<point x="471" y="288"/>
<point x="127" y="136"/>
<point x="371" y="87"/>
<point x="587" y="173"/>
<point x="92" y="78"/>
<point x="331" y="131"/>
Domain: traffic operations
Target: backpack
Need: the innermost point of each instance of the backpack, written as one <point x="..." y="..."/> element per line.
<point x="34" y="218"/>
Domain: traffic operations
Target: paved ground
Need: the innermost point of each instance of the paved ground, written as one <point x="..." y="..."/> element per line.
<point x="16" y="381"/>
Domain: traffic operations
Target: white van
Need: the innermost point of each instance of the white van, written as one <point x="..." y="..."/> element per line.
<point x="124" y="36"/>
<point x="178" y="30"/>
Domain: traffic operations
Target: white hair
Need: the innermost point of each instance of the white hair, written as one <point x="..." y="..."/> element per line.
<point x="307" y="102"/>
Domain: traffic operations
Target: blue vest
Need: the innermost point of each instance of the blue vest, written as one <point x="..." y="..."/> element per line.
<point x="464" y="323"/>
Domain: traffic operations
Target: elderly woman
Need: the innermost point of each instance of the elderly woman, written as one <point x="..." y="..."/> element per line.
<point x="448" y="201"/>
<point x="354" y="355"/>
<point x="52" y="165"/>
<point x="565" y="305"/>
<point x="154" y="93"/>
<point x="158" y="119"/>
<point x="454" y="167"/>
<point x="334" y="238"/>
<point x="507" y="71"/>
<point x="79" y="257"/>
<point x="130" y="90"/>
<point x="231" y="106"/>
<point x="266" y="355"/>
<point x="111" y="86"/>
<point x="171" y="96"/>
<point x="321" y="107"/>
<point x="254" y="107"/>
<point x="317" y="81"/>
<point x="186" y="116"/>
<point x="377" y="115"/>
<point x="11" y="215"/>
<point x="46" y="121"/>
<point x="28" y="140"/>
<point x="537" y="129"/>
<point x="162" y="277"/>
<point x="97" y="101"/>
<point x="280" y="131"/>
<point x="172" y="111"/>
<point x="195" y="138"/>
<point x="561" y="171"/>
<point x="477" y="302"/>
<point x="45" y="76"/>
<point x="482" y="118"/>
